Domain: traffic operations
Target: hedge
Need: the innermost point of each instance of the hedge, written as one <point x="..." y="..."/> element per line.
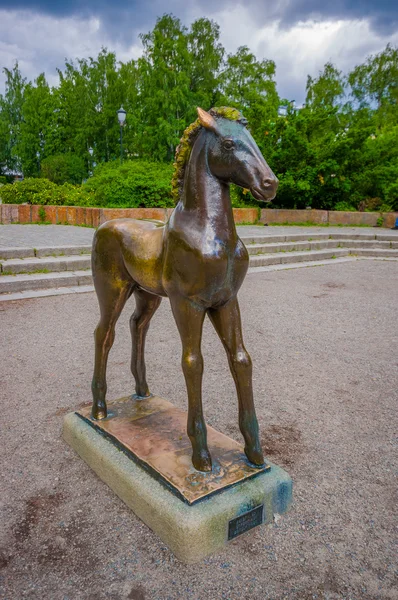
<point x="134" y="184"/>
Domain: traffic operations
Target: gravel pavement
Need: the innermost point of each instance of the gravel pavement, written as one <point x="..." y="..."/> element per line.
<point x="324" y="348"/>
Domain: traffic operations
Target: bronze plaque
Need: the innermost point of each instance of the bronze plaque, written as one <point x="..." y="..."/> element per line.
<point x="152" y="432"/>
<point x="246" y="521"/>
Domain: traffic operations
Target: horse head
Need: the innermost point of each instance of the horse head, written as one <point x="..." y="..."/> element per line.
<point x="234" y="157"/>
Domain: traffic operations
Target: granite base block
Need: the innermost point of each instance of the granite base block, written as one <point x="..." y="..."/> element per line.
<point x="192" y="532"/>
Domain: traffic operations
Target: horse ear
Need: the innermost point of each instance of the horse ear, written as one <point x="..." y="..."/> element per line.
<point x="206" y="120"/>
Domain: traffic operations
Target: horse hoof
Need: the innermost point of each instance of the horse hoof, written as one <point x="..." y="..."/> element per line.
<point x="139" y="397"/>
<point x="99" y="413"/>
<point x="202" y="461"/>
<point x="255" y="456"/>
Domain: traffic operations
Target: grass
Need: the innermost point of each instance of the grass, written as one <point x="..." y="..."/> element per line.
<point x="312" y="224"/>
<point x="24" y="273"/>
<point x="247" y="223"/>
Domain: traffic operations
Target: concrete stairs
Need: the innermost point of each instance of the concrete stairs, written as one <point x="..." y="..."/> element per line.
<point x="35" y="272"/>
<point x="318" y="248"/>
<point x="44" y="271"/>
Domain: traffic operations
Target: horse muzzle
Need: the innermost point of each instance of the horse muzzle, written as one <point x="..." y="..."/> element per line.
<point x="266" y="191"/>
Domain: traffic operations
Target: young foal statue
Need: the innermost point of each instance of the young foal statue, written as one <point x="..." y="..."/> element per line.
<point x="197" y="260"/>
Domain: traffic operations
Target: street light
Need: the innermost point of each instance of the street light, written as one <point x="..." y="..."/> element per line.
<point x="121" y="115"/>
<point x="91" y="151"/>
<point x="38" y="161"/>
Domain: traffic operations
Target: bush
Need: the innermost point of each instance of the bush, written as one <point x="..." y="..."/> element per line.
<point x="42" y="191"/>
<point x="3" y="179"/>
<point x="63" y="168"/>
<point x="134" y="184"/>
<point x="345" y="206"/>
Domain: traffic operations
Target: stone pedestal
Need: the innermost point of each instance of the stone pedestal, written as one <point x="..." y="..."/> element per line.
<point x="142" y="452"/>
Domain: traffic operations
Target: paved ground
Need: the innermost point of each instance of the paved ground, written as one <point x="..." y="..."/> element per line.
<point x="323" y="342"/>
<point x="20" y="236"/>
<point x="58" y="235"/>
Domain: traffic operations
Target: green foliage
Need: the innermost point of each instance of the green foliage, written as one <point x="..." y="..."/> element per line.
<point x="63" y="168"/>
<point x="133" y="184"/>
<point x="11" y="117"/>
<point x="42" y="214"/>
<point x="344" y="206"/>
<point x="3" y="179"/>
<point x="340" y="149"/>
<point x="43" y="191"/>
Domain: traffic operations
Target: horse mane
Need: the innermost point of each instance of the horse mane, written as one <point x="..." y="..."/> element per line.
<point x="184" y="148"/>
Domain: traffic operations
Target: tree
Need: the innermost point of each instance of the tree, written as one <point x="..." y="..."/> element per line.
<point x="165" y="97"/>
<point x="206" y="59"/>
<point x="64" y="168"/>
<point x="37" y="113"/>
<point x="374" y="84"/>
<point x="11" y="117"/>
<point x="327" y="89"/>
<point x="249" y="85"/>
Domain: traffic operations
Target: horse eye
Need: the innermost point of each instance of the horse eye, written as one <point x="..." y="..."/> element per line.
<point x="228" y="144"/>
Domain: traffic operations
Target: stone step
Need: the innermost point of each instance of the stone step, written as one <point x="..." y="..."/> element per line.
<point x="260" y="260"/>
<point x="267" y="248"/>
<point x="315" y="245"/>
<point x="45" y="264"/>
<point x="299" y="265"/>
<point x="276" y="239"/>
<point x="79" y="289"/>
<point x="375" y="252"/>
<point x="8" y="253"/>
<point x="263" y="238"/>
<point x="41" y="281"/>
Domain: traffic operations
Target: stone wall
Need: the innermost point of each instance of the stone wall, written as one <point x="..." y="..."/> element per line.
<point x="93" y="217"/>
<point x="325" y="217"/>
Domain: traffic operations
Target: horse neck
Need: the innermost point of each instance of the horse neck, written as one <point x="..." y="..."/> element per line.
<point x="205" y="199"/>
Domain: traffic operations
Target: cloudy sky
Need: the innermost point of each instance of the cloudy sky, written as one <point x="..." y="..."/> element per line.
<point x="299" y="35"/>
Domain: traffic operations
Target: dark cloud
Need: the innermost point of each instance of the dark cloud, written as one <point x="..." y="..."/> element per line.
<point x="124" y="19"/>
<point x="383" y="14"/>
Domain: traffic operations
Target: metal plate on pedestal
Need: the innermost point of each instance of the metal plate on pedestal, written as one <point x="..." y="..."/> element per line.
<point x="153" y="433"/>
<point x="247" y="521"/>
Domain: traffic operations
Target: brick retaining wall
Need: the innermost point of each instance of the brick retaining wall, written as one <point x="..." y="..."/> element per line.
<point x="93" y="217"/>
<point x="323" y="217"/>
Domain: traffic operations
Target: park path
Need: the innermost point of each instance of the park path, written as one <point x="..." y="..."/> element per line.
<point x="23" y="236"/>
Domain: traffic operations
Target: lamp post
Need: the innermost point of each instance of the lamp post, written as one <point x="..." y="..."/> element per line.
<point x="38" y="162"/>
<point x="91" y="151"/>
<point x="121" y="115"/>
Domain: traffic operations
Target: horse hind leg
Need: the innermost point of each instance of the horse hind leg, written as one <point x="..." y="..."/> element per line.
<point x="112" y="295"/>
<point x="146" y="306"/>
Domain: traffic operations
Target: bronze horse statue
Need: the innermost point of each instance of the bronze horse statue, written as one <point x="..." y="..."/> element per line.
<point x="197" y="260"/>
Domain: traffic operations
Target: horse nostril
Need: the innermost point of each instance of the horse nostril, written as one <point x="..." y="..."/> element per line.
<point x="268" y="182"/>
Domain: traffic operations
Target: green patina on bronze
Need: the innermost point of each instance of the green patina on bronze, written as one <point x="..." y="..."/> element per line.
<point x="184" y="148"/>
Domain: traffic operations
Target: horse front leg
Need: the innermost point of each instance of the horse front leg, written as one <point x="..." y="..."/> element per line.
<point x="227" y="323"/>
<point x="189" y="319"/>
